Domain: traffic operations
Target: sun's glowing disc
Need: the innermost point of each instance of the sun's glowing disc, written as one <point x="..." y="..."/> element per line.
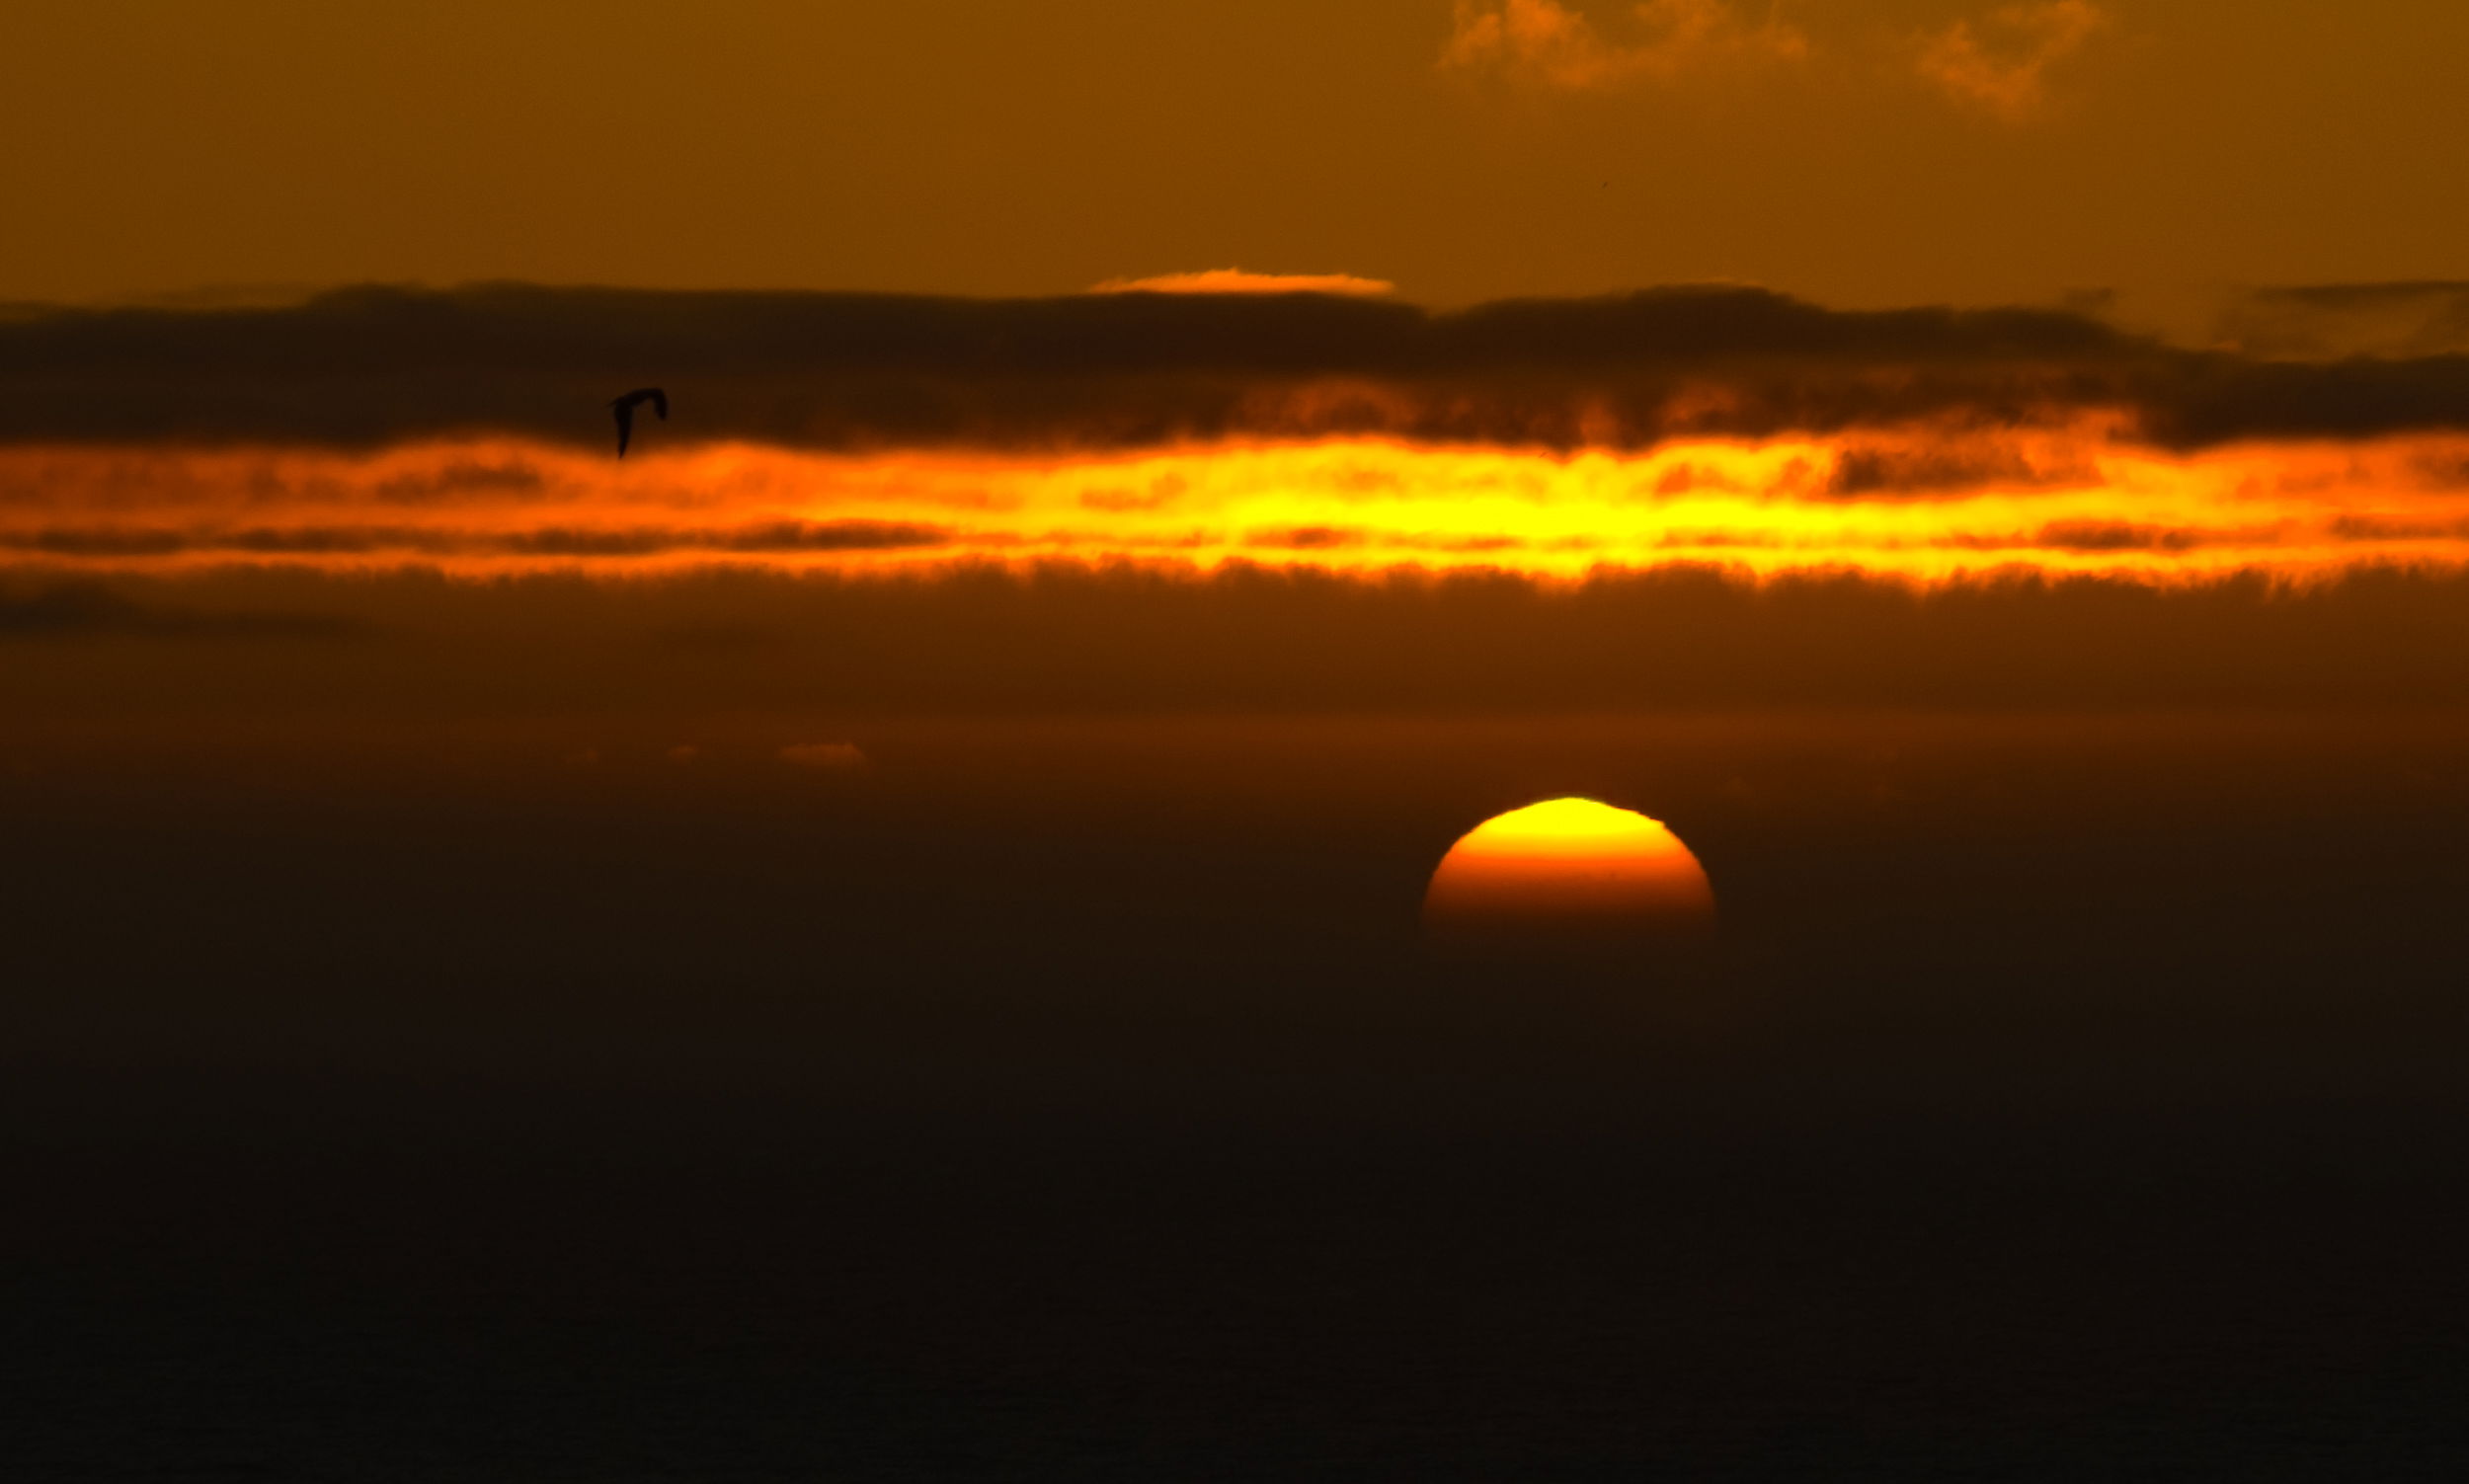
<point x="1568" y="873"/>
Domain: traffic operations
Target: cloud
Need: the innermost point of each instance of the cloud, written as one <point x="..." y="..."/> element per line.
<point x="827" y="757"/>
<point x="769" y="537"/>
<point x="1546" y="43"/>
<point x="463" y="477"/>
<point x="1955" y="463"/>
<point x="1236" y="281"/>
<point x="81" y="608"/>
<point x="1251" y="640"/>
<point x="365" y="369"/>
<point x="1926" y="502"/>
<point x="2114" y="535"/>
<point x="2000" y="64"/>
<point x="2337" y="321"/>
<point x="760" y="538"/>
<point x="1304" y="538"/>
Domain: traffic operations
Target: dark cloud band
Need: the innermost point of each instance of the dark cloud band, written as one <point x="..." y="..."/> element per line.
<point x="369" y="366"/>
<point x="1059" y="638"/>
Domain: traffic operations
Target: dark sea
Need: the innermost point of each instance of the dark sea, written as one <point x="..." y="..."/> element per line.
<point x="2076" y="1098"/>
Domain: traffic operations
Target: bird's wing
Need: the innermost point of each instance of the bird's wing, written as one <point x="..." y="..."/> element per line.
<point x="660" y="403"/>
<point x="625" y="426"/>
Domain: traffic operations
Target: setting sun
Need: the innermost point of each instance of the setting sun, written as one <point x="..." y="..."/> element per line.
<point x="1568" y="870"/>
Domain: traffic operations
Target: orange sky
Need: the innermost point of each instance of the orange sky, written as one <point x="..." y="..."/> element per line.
<point x="1879" y="152"/>
<point x="1940" y="298"/>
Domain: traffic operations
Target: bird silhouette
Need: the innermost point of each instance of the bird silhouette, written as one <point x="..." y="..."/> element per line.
<point x="624" y="408"/>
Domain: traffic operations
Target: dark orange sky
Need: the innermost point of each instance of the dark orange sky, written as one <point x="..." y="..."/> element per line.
<point x="708" y="772"/>
<point x="929" y="408"/>
<point x="1891" y="152"/>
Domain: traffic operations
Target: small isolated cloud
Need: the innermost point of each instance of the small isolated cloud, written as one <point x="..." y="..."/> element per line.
<point x="1236" y="281"/>
<point x="76" y="610"/>
<point x="829" y="756"/>
<point x="2338" y="321"/>
<point x="1999" y="65"/>
<point x="1547" y="44"/>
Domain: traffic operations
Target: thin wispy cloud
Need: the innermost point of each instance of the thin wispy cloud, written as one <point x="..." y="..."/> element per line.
<point x="1998" y="64"/>
<point x="1546" y="43"/>
<point x="826" y="756"/>
<point x="1238" y="280"/>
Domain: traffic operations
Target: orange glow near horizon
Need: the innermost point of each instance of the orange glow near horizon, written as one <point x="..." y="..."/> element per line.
<point x="1563" y="866"/>
<point x="1238" y="280"/>
<point x="1920" y="506"/>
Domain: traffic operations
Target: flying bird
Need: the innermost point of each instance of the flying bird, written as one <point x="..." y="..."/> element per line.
<point x="624" y="408"/>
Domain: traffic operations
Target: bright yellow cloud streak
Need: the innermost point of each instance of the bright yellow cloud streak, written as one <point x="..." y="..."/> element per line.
<point x="1924" y="506"/>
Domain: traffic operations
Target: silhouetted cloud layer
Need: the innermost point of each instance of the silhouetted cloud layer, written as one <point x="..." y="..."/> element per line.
<point x="367" y="367"/>
<point x="1066" y="636"/>
<point x="74" y="609"/>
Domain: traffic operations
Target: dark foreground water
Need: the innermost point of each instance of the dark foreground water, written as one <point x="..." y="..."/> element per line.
<point x="2080" y="1099"/>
